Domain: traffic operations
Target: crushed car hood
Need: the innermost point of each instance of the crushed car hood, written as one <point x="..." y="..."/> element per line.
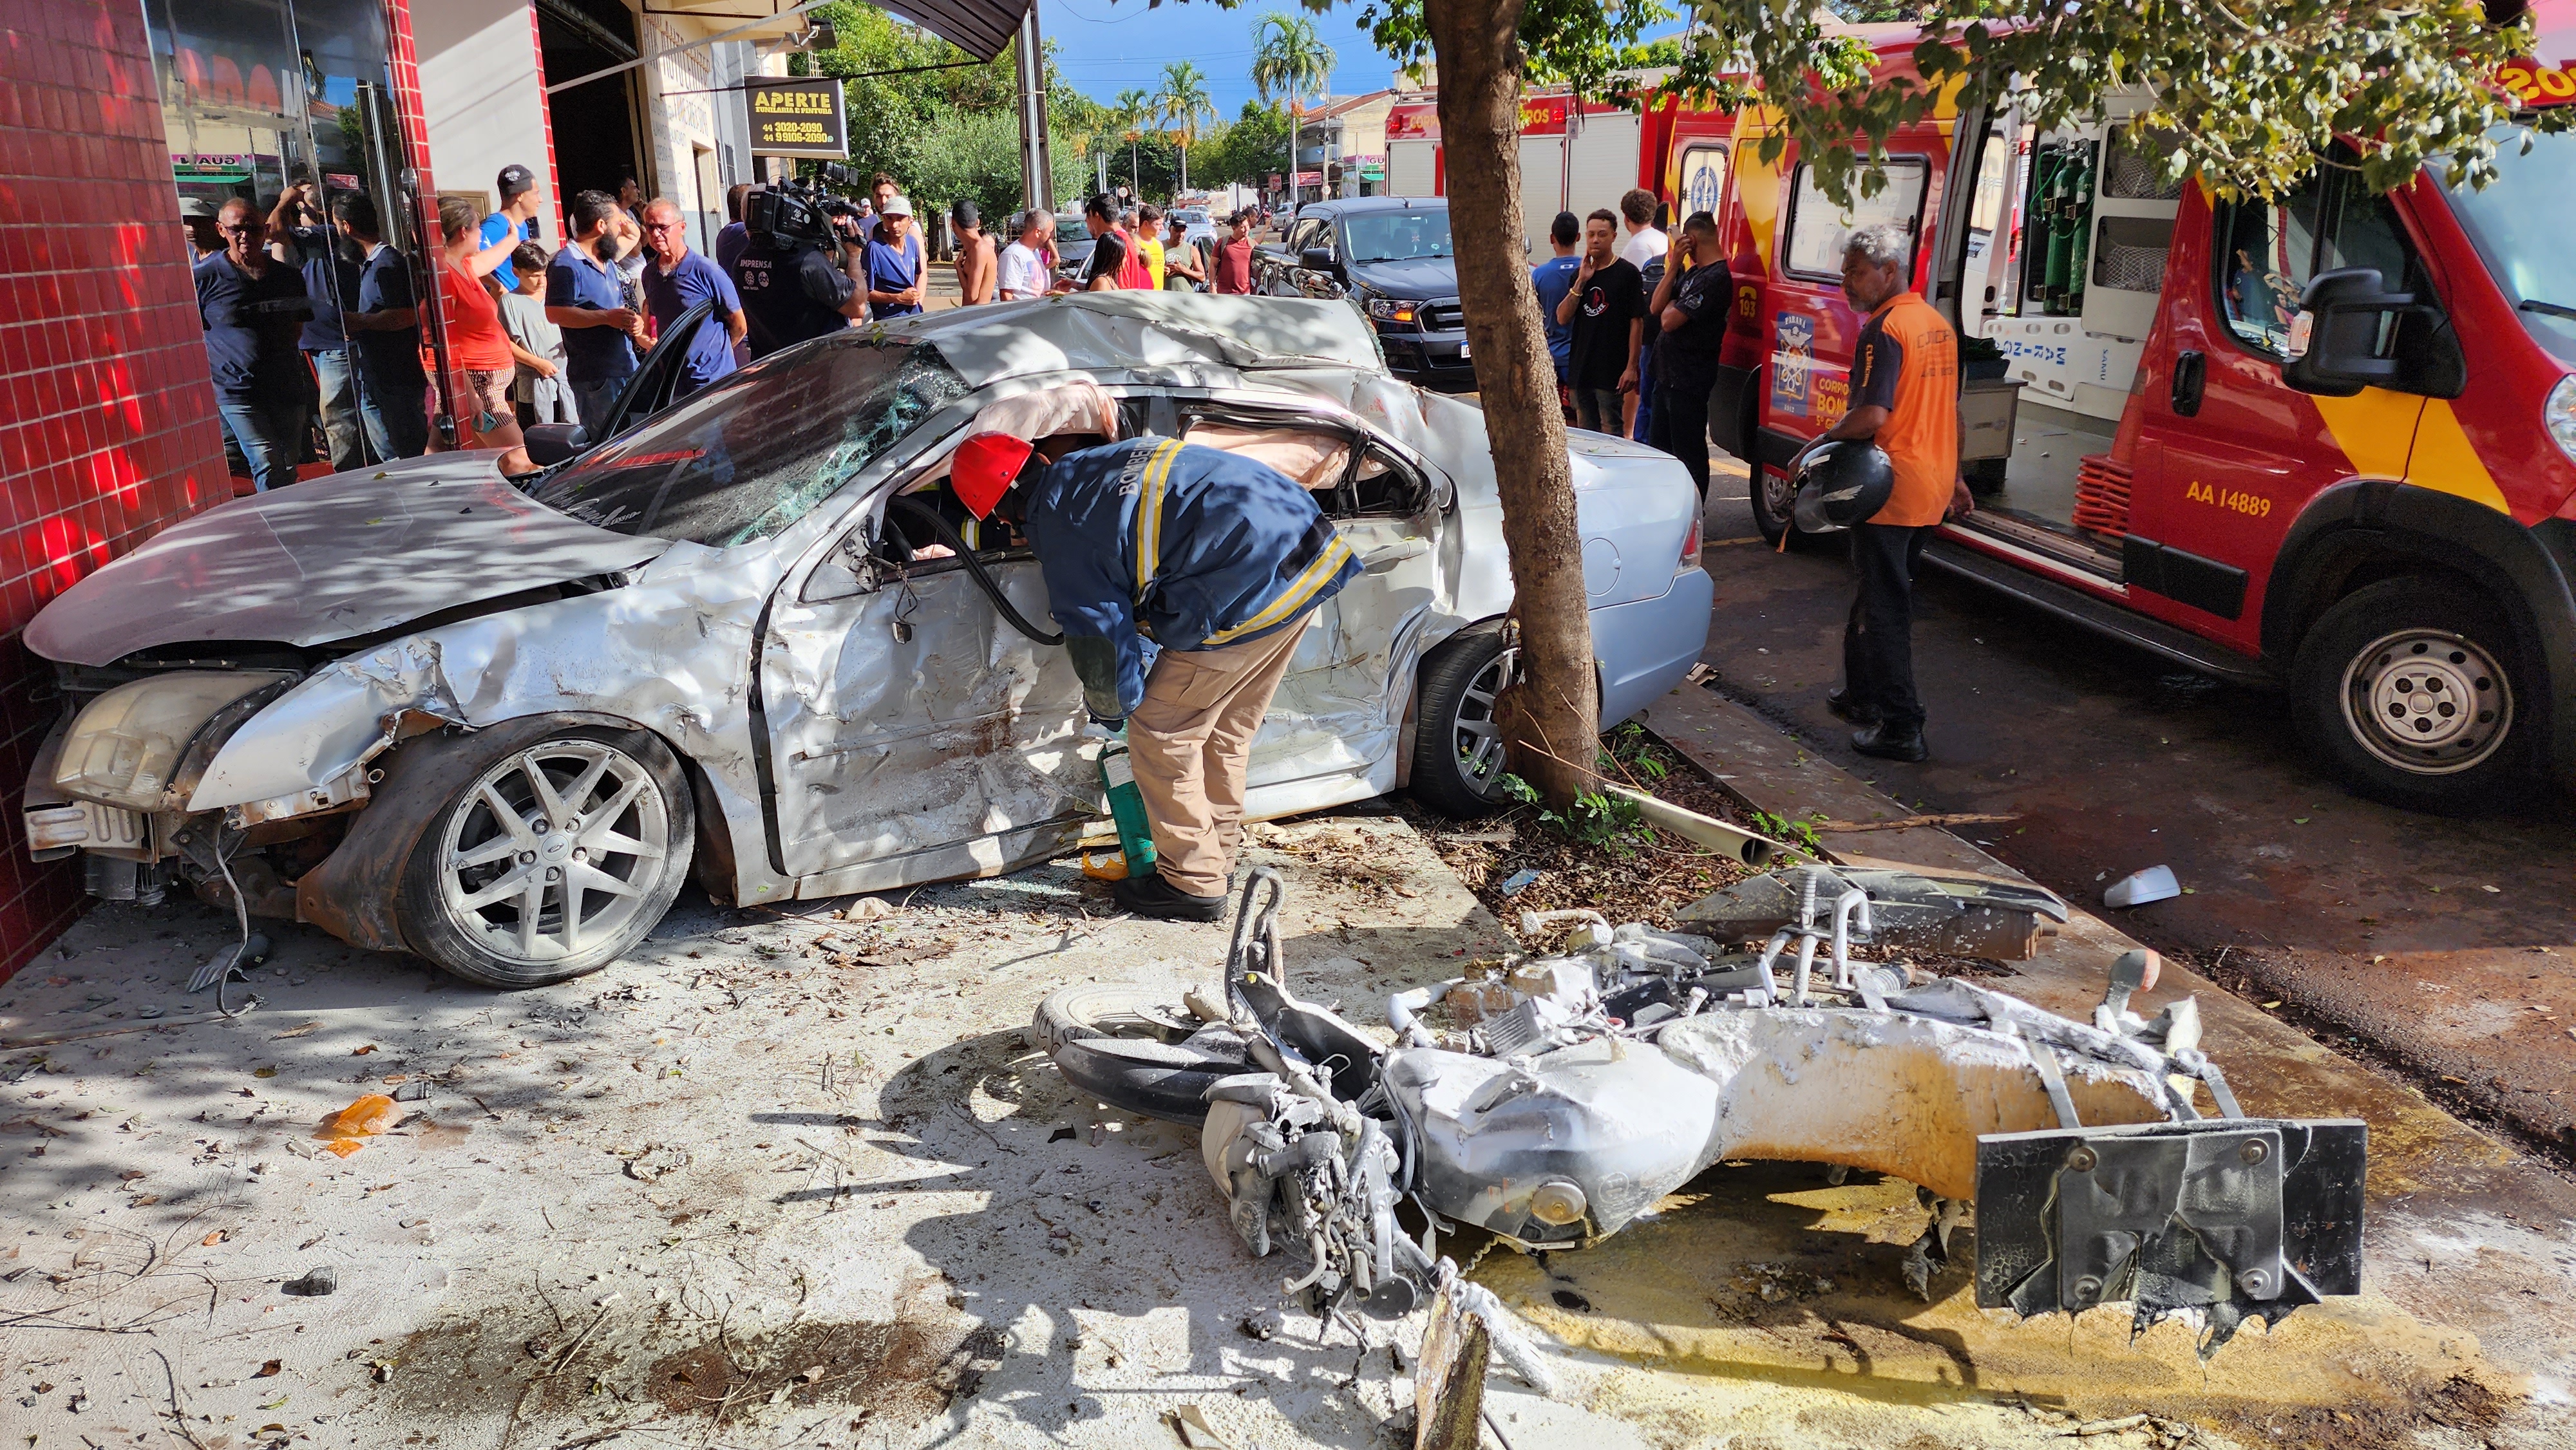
<point x="1121" y="330"/>
<point x="332" y="559"/>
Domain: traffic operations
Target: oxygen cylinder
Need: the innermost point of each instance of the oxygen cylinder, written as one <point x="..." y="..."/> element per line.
<point x="2061" y="233"/>
<point x="2082" y="247"/>
<point x="2036" y="225"/>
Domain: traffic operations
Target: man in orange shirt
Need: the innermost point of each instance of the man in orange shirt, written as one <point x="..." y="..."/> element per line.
<point x="1905" y="398"/>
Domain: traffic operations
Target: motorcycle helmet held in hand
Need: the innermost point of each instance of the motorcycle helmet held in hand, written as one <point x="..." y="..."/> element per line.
<point x="1841" y="483"/>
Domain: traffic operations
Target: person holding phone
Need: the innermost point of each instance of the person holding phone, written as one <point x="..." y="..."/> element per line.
<point x="1691" y="304"/>
<point x="1606" y="311"/>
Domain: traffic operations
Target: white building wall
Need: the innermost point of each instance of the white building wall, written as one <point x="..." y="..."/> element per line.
<point x="680" y="97"/>
<point x="486" y="109"/>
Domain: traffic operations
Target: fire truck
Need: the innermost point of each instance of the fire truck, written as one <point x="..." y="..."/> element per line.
<point x="2323" y="443"/>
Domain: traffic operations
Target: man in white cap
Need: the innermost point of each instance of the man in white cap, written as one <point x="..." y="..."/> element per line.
<point x="894" y="262"/>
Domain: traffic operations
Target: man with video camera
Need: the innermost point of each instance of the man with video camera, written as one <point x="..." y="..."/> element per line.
<point x="803" y="271"/>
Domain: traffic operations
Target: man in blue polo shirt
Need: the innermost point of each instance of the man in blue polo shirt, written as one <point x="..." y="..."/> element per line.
<point x="678" y="279"/>
<point x="587" y="299"/>
<point x="517" y="219"/>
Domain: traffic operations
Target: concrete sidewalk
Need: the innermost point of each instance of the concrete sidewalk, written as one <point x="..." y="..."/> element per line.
<point x="2469" y="1268"/>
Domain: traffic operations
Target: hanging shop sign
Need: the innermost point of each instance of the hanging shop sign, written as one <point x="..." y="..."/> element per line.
<point x="797" y="116"/>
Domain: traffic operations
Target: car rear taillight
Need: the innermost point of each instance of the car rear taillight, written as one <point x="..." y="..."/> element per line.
<point x="1690" y="547"/>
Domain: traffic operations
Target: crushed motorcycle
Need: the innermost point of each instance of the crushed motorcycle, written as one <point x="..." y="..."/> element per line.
<point x="1551" y="1098"/>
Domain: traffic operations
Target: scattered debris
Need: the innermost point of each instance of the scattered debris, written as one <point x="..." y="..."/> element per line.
<point x="654" y="1162"/>
<point x="1907" y="823"/>
<point x="1735" y="1052"/>
<point x="368" y="1116"/>
<point x="234" y="960"/>
<point x="1189" y="1423"/>
<point x="1518" y="882"/>
<point x="2155" y="883"/>
<point x="1264" y="1326"/>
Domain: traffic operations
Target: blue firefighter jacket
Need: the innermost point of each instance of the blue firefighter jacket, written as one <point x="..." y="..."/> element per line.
<point x="1190" y="546"/>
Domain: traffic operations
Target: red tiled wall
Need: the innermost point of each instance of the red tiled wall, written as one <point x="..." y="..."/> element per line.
<point x="107" y="414"/>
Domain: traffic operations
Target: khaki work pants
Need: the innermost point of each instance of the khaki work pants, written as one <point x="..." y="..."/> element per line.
<point x="1189" y="743"/>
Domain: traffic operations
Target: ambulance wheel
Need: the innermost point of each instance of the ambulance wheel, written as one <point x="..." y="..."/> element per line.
<point x="1772" y="496"/>
<point x="2415" y="693"/>
<point x="1457" y="741"/>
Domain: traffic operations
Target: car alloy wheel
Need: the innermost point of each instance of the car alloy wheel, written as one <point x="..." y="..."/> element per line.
<point x="558" y="850"/>
<point x="2428" y="701"/>
<point x="1479" y="736"/>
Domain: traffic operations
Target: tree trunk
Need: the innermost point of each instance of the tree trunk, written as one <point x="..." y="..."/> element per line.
<point x="1552" y="725"/>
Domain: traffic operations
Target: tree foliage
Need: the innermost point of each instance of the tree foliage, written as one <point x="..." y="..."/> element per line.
<point x="975" y="156"/>
<point x="1290" y="60"/>
<point x="2247" y="93"/>
<point x="944" y="125"/>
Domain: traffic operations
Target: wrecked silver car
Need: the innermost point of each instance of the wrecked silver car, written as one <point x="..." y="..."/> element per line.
<point x="498" y="722"/>
<point x="1553" y="1098"/>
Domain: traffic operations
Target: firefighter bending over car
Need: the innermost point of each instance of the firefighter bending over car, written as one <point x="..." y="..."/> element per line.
<point x="1217" y="560"/>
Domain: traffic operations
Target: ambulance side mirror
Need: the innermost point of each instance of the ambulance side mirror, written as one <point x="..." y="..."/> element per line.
<point x="2353" y="333"/>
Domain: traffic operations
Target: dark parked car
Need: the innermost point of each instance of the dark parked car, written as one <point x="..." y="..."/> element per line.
<point x="1391" y="256"/>
<point x="1073" y="243"/>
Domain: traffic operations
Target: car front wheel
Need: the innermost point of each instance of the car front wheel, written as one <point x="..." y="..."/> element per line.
<point x="2412" y="691"/>
<point x="1458" y="744"/>
<point x="554" y="860"/>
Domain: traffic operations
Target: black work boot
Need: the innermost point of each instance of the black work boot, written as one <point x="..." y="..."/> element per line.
<point x="1892" y="742"/>
<point x="1151" y="895"/>
<point x="1860" y="712"/>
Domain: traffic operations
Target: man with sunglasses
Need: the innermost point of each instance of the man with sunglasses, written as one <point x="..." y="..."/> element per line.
<point x="680" y="279"/>
<point x="254" y="308"/>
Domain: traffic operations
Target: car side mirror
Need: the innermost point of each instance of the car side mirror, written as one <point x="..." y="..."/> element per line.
<point x="2353" y="333"/>
<point x="551" y="443"/>
<point x="1318" y="259"/>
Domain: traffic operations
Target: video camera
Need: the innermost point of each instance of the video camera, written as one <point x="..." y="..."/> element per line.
<point x="801" y="213"/>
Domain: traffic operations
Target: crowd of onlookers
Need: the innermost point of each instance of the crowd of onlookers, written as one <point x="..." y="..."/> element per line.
<point x="1138" y="247"/>
<point x="1634" y="319"/>
<point x="312" y="319"/>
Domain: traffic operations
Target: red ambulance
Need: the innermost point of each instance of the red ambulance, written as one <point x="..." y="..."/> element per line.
<point x="2324" y="443"/>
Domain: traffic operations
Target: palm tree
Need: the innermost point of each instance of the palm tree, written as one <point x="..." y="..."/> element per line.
<point x="1290" y="61"/>
<point x="1183" y="101"/>
<point x="1134" y="109"/>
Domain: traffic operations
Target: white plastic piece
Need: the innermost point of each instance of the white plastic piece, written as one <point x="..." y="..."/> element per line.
<point x="2156" y="883"/>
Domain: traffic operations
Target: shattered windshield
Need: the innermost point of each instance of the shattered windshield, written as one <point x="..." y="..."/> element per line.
<point x="745" y="461"/>
<point x="2520" y="225"/>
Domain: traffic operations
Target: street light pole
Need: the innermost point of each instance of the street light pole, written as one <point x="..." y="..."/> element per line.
<point x="1037" y="160"/>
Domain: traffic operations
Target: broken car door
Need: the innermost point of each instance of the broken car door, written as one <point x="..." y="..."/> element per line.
<point x="1332" y="729"/>
<point x="915" y="733"/>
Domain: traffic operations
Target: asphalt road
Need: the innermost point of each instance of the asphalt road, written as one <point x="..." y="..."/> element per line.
<point x="2442" y="947"/>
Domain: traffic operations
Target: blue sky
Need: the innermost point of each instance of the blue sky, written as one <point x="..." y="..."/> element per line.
<point x="1107" y="46"/>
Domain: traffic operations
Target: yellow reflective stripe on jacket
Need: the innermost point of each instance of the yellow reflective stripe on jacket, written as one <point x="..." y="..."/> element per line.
<point x="1298" y="595"/>
<point x="1149" y="513"/>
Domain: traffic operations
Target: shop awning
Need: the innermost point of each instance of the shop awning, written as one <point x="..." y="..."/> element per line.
<point x="981" y="28"/>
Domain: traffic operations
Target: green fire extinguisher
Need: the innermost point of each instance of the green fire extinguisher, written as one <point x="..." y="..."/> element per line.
<point x="1126" y="806"/>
